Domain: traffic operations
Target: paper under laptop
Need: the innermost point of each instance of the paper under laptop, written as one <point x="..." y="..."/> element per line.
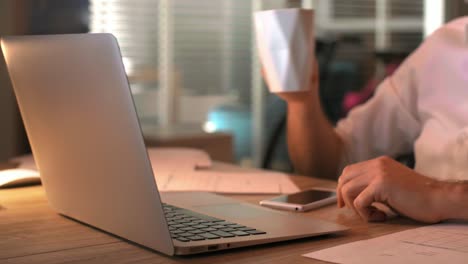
<point x="179" y="169"/>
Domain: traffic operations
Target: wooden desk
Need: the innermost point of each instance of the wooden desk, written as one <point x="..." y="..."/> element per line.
<point x="31" y="232"/>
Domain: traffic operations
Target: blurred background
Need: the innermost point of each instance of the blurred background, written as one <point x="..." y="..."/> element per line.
<point x="194" y="72"/>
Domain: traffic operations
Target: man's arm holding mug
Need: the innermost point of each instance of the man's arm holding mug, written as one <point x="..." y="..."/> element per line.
<point x="314" y="146"/>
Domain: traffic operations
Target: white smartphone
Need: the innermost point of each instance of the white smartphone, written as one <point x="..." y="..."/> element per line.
<point x="302" y="201"/>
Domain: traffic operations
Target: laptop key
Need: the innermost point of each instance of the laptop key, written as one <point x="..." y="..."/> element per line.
<point x="240" y="233"/>
<point x="183" y="239"/>
<point x="196" y="238"/>
<point x="167" y="207"/>
<point x="228" y="230"/>
<point x="182" y="221"/>
<point x="200" y="226"/>
<point x="187" y="228"/>
<point x="225" y="223"/>
<point x="209" y="235"/>
<point x="191" y="224"/>
<point x="246" y="229"/>
<point x="219" y="226"/>
<point x="218" y="220"/>
<point x="197" y="231"/>
<point x="202" y="222"/>
<point x="175" y="213"/>
<point x="222" y="234"/>
<point x="209" y="229"/>
<point x="255" y="232"/>
<point x="185" y="235"/>
<point x="235" y="226"/>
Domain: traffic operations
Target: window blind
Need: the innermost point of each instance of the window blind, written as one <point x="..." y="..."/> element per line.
<point x="211" y="43"/>
<point x="135" y="25"/>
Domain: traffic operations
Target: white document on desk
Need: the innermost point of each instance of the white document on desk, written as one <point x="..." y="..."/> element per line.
<point x="185" y="169"/>
<point x="180" y="169"/>
<point x="225" y="182"/>
<point x="441" y="243"/>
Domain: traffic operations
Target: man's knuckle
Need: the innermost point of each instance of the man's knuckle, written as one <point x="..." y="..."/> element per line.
<point x="382" y="164"/>
<point x="340" y="178"/>
<point x="346" y="169"/>
<point x="380" y="161"/>
<point x="379" y="179"/>
<point x="345" y="173"/>
<point x="345" y="190"/>
<point x="357" y="203"/>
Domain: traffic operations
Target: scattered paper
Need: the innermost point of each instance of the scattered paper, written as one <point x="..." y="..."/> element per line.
<point x="182" y="169"/>
<point x="163" y="159"/>
<point x="441" y="243"/>
<point x="185" y="169"/>
<point x="225" y="182"/>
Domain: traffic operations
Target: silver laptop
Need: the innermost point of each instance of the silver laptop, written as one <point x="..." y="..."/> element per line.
<point x="76" y="104"/>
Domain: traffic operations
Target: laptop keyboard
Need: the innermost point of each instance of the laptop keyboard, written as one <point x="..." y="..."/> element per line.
<point x="186" y="225"/>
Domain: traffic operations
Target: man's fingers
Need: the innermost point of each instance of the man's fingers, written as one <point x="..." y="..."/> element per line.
<point x="363" y="205"/>
<point x="349" y="172"/>
<point x="375" y="215"/>
<point x="353" y="188"/>
<point x="339" y="200"/>
<point x="352" y="171"/>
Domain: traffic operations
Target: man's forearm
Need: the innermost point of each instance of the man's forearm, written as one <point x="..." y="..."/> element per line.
<point x="314" y="147"/>
<point x="453" y="200"/>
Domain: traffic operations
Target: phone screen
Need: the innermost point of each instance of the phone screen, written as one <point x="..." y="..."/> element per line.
<point x="305" y="197"/>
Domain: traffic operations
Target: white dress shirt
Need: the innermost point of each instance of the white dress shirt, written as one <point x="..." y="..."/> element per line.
<point x="422" y="107"/>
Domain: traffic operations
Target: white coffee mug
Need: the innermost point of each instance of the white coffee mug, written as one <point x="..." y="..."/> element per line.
<point x="286" y="44"/>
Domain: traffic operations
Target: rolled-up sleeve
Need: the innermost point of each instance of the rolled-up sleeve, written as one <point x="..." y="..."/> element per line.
<point x="384" y="125"/>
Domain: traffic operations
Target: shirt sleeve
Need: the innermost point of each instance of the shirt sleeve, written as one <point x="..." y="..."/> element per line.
<point x="387" y="124"/>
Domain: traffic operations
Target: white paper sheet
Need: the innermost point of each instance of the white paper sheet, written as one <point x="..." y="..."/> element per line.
<point x="225" y="182"/>
<point x="163" y="159"/>
<point x="178" y="169"/>
<point x="441" y="243"/>
<point x="185" y="169"/>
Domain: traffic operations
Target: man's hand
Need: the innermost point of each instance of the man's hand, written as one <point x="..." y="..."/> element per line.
<point x="304" y="97"/>
<point x="386" y="181"/>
